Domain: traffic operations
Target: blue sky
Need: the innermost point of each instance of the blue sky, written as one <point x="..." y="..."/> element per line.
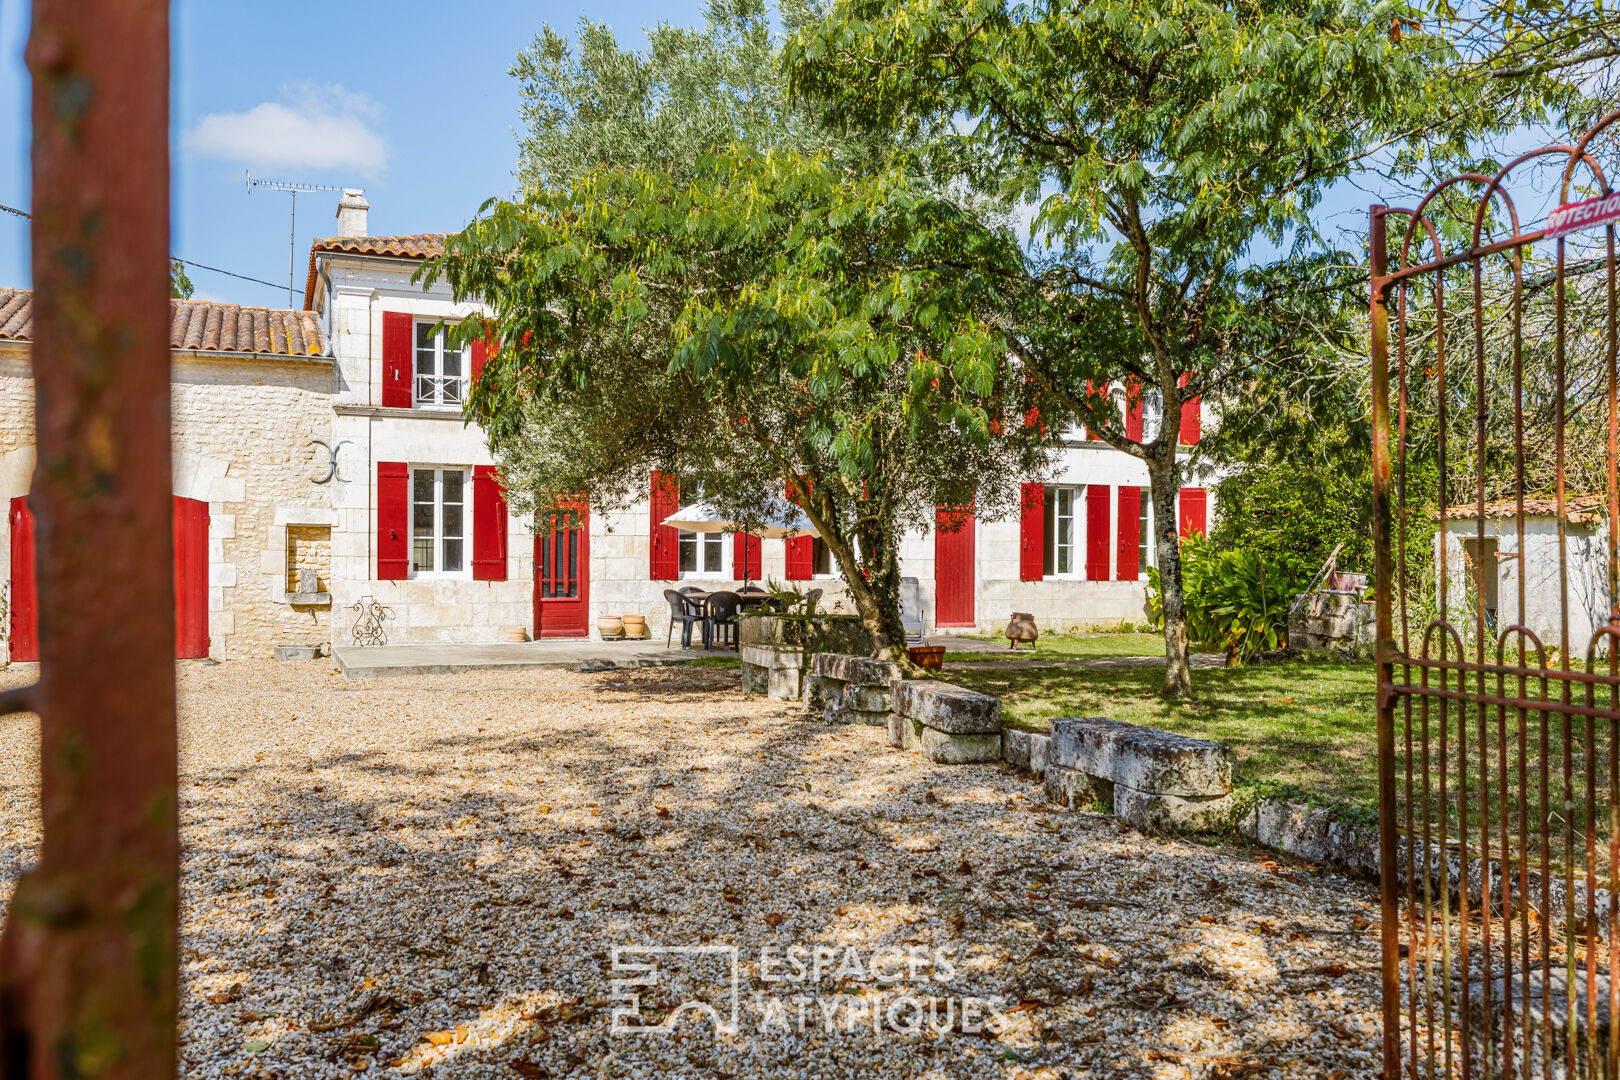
<point x="408" y="99"/>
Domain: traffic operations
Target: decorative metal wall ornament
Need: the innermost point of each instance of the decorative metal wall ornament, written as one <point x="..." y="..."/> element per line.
<point x="368" y="629"/>
<point x="332" y="465"/>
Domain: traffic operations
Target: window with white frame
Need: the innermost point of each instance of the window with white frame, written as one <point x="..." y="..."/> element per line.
<point x="438" y="522"/>
<point x="441" y="369"/>
<point x="1144" y="534"/>
<point x="1152" y="414"/>
<point x="1063" y="532"/>
<point x="703" y="554"/>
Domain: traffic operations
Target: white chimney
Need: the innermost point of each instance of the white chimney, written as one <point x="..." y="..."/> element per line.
<point x="351" y="213"/>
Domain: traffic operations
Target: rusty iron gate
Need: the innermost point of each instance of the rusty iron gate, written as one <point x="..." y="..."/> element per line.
<point x="1496" y="434"/>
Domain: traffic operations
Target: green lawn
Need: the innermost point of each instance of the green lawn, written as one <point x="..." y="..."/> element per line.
<point x="1070" y="647"/>
<point x="1309" y="724"/>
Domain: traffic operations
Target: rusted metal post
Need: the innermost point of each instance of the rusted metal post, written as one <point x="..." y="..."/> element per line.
<point x="1383" y="570"/>
<point x="88" y="955"/>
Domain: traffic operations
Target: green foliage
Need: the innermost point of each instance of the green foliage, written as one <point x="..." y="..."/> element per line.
<point x="692" y="93"/>
<point x="1237" y="599"/>
<point x="1296" y="515"/>
<point x="777" y="322"/>
<point x="1177" y="151"/>
<point x="180" y="287"/>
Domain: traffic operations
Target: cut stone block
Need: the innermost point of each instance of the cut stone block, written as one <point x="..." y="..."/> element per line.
<point x="298" y="652"/>
<point x="1024" y="750"/>
<point x="1015" y="748"/>
<point x="947" y="708"/>
<point x="897" y="730"/>
<point x="866" y="698"/>
<point x="774" y="670"/>
<point x="1145" y="759"/>
<point x="954" y="748"/>
<point x="785" y="684"/>
<point x="1038" y="745"/>
<point x="859" y="670"/>
<point x="1153" y="812"/>
<point x="1069" y="789"/>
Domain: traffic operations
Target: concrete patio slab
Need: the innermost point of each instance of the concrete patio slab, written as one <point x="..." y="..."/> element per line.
<point x="366" y="662"/>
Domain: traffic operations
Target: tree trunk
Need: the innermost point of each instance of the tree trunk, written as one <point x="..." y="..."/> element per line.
<point x="1162" y="475"/>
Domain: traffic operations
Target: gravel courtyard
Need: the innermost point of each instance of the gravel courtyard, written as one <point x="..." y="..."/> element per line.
<point x="429" y="875"/>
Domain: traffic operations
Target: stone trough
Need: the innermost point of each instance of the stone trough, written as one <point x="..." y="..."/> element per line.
<point x="1154" y="779"/>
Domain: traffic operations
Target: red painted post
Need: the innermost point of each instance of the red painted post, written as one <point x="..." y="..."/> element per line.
<point x="88" y="954"/>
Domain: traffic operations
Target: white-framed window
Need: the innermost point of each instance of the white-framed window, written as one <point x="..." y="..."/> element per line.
<point x="441" y="371"/>
<point x="1152" y="414"/>
<point x="703" y="555"/>
<point x="1144" y="537"/>
<point x="1063" y="545"/>
<point x="439" y="499"/>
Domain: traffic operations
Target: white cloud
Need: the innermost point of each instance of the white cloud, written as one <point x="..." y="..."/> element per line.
<point x="321" y="127"/>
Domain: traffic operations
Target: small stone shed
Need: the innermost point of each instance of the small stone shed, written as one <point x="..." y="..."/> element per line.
<point x="1488" y="553"/>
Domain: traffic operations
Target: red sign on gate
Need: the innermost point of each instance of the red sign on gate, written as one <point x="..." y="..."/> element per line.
<point x="1591" y="214"/>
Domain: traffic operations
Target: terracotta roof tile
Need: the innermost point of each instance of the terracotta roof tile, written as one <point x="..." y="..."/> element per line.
<point x="1587" y="509"/>
<point x="201" y="326"/>
<point x="414" y="246"/>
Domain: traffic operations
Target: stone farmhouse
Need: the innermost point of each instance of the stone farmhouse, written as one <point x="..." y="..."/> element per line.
<point x="321" y="458"/>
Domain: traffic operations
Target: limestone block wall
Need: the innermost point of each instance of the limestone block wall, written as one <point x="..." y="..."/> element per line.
<point x="242" y="427"/>
<point x="242" y="430"/>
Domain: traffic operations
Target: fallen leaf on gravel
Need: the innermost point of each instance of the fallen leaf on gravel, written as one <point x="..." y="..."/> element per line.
<point x="774" y="918"/>
<point x="663" y="811"/>
<point x="253" y="1046"/>
<point x="529" y="1069"/>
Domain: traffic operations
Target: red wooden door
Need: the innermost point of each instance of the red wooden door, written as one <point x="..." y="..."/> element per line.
<point x="190" y="578"/>
<point x="562" y="578"/>
<point x="24" y="599"/>
<point x="953" y="569"/>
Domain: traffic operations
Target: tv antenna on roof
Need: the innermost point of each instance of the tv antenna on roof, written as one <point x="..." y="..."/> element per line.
<point x="292" y="191"/>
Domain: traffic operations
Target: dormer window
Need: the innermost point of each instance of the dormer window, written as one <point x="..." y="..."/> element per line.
<point x="441" y="369"/>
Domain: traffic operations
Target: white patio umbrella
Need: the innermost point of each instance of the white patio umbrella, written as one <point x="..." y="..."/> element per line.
<point x="783" y="521"/>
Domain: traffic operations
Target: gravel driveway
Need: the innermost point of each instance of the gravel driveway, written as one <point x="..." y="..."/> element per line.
<point x="430" y="876"/>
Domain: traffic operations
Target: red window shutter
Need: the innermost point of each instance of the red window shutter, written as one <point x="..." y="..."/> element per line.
<point x="1126" y="552"/>
<point x="1097" y="531"/>
<point x="393" y="520"/>
<point x="745" y="557"/>
<point x="664" y="499"/>
<point x="1032" y="533"/>
<point x="190" y="579"/>
<point x="1090" y="392"/>
<point x="480" y="353"/>
<point x="800" y="553"/>
<point x="398" y="328"/>
<point x="489" y="525"/>
<point x="1133" y="409"/>
<point x="1194" y="505"/>
<point x="1192" y="418"/>
<point x="24" y="597"/>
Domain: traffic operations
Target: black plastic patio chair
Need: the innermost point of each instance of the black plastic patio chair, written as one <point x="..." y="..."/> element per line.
<point x="681" y="611"/>
<point x="722" y="619"/>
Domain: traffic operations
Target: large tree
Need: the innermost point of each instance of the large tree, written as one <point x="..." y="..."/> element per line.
<point x="1178" y="148"/>
<point x="777" y="325"/>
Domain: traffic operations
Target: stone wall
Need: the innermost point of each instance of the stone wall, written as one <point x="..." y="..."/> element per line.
<point x="242" y="429"/>
<point x="255" y="417"/>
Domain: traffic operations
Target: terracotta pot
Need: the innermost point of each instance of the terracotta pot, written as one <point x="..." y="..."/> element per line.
<point x="928" y="657"/>
<point x="517" y="633"/>
<point x="1022" y="628"/>
<point x="635" y="626"/>
<point x="610" y="627"/>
